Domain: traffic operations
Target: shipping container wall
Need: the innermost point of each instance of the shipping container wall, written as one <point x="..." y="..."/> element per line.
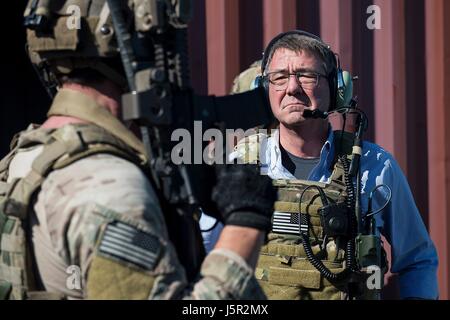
<point x="399" y="49"/>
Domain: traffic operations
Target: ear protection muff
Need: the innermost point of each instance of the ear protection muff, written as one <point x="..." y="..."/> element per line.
<point x="340" y="82"/>
<point x="344" y="89"/>
<point x="262" y="81"/>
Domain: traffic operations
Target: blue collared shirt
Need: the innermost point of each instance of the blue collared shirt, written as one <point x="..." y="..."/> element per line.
<point x="413" y="255"/>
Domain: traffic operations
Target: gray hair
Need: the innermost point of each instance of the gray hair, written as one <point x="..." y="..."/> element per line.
<point x="297" y="43"/>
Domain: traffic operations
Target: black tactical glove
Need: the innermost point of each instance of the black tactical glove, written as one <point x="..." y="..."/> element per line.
<point x="244" y="197"/>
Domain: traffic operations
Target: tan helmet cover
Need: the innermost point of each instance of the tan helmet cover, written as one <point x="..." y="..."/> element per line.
<point x="78" y="34"/>
<point x="246" y="79"/>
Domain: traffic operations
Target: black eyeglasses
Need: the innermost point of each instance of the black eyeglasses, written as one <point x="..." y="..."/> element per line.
<point x="307" y="80"/>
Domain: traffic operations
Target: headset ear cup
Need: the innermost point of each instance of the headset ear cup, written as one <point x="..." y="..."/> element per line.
<point x="332" y="82"/>
<point x="265" y="83"/>
<point x="344" y="90"/>
<point x="261" y="81"/>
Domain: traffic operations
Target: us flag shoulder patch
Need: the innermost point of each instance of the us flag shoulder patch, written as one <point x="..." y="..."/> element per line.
<point x="126" y="243"/>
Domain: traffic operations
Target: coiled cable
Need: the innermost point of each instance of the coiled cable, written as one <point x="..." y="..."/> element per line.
<point x="304" y="235"/>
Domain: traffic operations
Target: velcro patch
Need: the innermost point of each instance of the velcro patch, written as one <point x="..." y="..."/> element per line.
<point x="126" y="243"/>
<point x="286" y="222"/>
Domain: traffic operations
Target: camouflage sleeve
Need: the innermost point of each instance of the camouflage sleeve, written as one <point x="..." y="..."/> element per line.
<point x="226" y="276"/>
<point x="103" y="216"/>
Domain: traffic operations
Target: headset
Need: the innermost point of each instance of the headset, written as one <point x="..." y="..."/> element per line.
<point x="340" y="82"/>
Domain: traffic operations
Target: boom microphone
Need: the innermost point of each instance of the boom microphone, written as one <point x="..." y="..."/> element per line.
<point x="314" y="114"/>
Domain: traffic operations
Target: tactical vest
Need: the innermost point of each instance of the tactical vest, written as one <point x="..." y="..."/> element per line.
<point x="61" y="147"/>
<point x="283" y="270"/>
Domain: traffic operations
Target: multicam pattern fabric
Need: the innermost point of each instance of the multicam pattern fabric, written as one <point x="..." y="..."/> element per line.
<point x="245" y="81"/>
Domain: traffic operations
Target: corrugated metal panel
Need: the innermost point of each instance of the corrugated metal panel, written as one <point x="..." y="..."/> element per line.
<point x="389" y="75"/>
<point x="438" y="100"/>
<point x="404" y="97"/>
<point x="279" y="16"/>
<point x="404" y="71"/>
<point x="222" y="22"/>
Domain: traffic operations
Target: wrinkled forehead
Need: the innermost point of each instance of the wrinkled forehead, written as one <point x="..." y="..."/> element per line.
<point x="290" y="60"/>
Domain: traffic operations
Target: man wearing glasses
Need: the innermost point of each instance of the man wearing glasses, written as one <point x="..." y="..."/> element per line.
<point x="301" y="73"/>
<point x="294" y="86"/>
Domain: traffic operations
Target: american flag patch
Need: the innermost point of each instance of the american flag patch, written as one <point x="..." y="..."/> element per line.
<point x="127" y="243"/>
<point x="285" y="222"/>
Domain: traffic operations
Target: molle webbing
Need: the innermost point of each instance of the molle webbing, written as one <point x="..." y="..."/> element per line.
<point x="288" y="206"/>
<point x="283" y="269"/>
<point x="75" y="42"/>
<point x="61" y="147"/>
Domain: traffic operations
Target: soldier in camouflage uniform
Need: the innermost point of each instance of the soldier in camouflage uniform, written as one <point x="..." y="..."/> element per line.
<point x="74" y="195"/>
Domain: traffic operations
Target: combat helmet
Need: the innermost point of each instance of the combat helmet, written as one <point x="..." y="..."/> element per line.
<point x="65" y="35"/>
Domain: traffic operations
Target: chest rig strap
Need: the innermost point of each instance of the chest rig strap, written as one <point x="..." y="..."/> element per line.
<point x="287" y="217"/>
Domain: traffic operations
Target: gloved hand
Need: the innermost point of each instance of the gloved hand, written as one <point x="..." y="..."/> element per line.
<point x="243" y="196"/>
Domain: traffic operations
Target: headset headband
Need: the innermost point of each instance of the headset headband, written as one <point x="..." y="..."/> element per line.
<point x="338" y="85"/>
<point x="284" y="34"/>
